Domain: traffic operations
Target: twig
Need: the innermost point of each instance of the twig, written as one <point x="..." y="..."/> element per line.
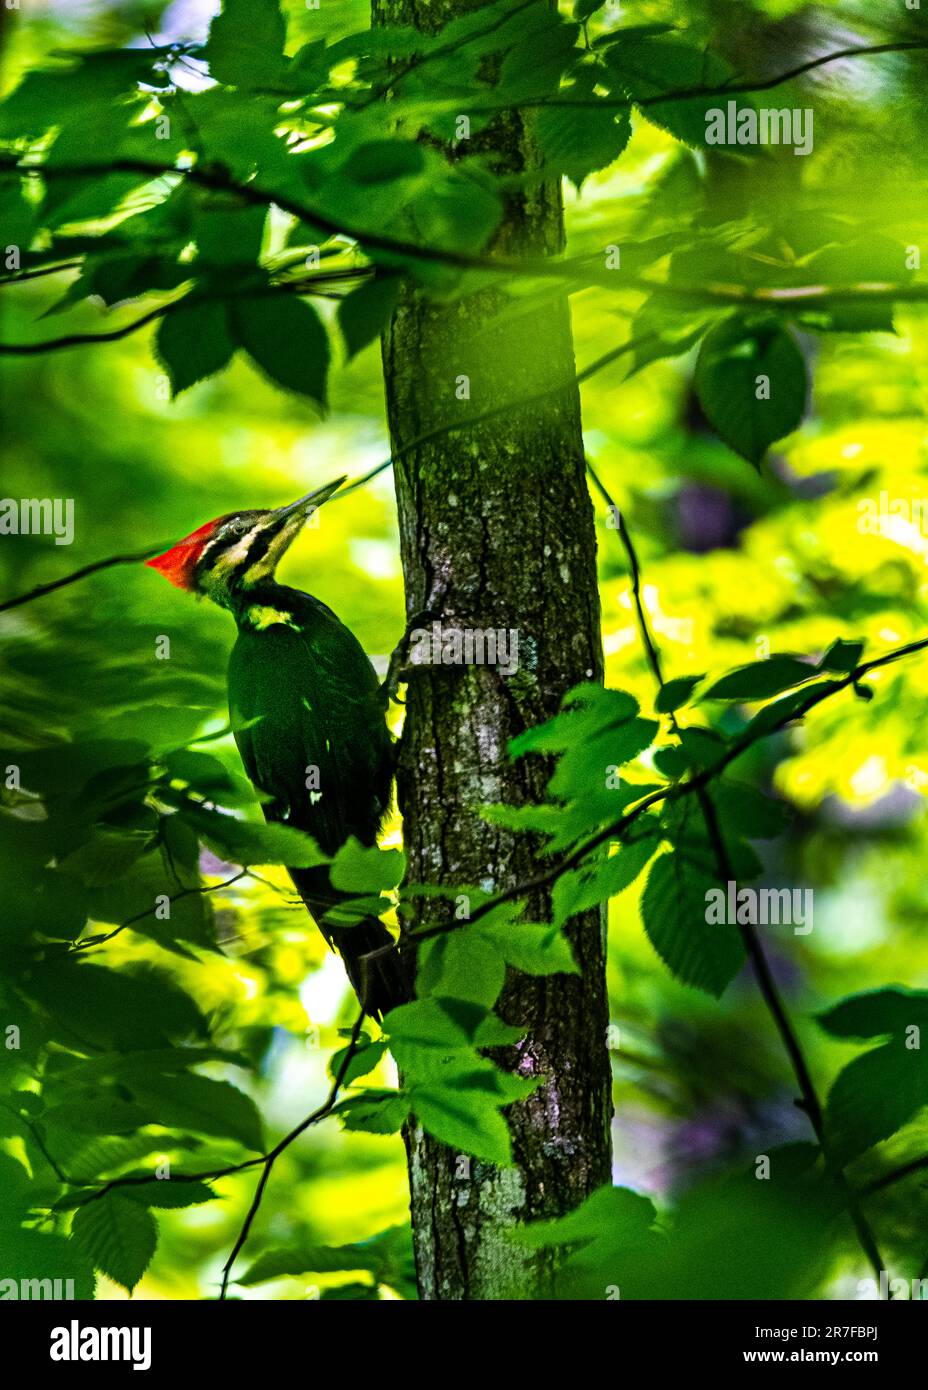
<point x="743" y="88"/>
<point x="270" y="1159"/>
<point x="41" y="590"/>
<point x="71" y="340"/>
<point x="916" y="1165"/>
<point x="428" y="437"/>
<point x="40" y="273"/>
<point x="85" y="943"/>
<point x="266" y="1160"/>
<point x="766" y="983"/>
<point x="545" y="269"/>
<point x="672" y="791"/>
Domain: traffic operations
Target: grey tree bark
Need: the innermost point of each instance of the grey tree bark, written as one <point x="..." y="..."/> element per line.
<point x="500" y="515"/>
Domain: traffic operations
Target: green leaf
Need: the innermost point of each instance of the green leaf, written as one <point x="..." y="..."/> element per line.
<point x="50" y="902"/>
<point x="285" y="338"/>
<point x="684" y="825"/>
<point x="701" y="747"/>
<point x="623" y="1214"/>
<point x="17" y="216"/>
<point x="118" y="1235"/>
<point x="842" y="656"/>
<point x="543" y="48"/>
<point x="761" y="679"/>
<point x="456" y="1093"/>
<point x="675" y="693"/>
<point x="111" y="1116"/>
<point x="457" y="210"/>
<point x="161" y="895"/>
<point x="596" y="732"/>
<point x="613" y="1245"/>
<point x="49" y="97"/>
<point x="210" y="777"/>
<point x="877" y="1013"/>
<point x="740" y="360"/>
<point x="590" y="766"/>
<point x="248" y="842"/>
<point x="114" y="1010"/>
<point x="365" y="1058"/>
<point x="96" y="1157"/>
<point x="644" y="66"/>
<point x="112" y="1066"/>
<point x="425" y="1026"/>
<point x="674" y="910"/>
<point x="584" y="8"/>
<point x="382" y="161"/>
<point x="228" y="234"/>
<point x="36" y="1258"/>
<point x="168" y="1193"/>
<point x="469" y="1123"/>
<point x="604" y="878"/>
<point x="363" y="314"/>
<point x="756" y="816"/>
<point x="462" y="965"/>
<point x="197" y="1103"/>
<point x="125" y="275"/>
<point x="874" y="1096"/>
<point x="194" y="342"/>
<point x="246" y="43"/>
<point x="587" y="709"/>
<point x="532" y="947"/>
<point x="105" y="857"/>
<point x="870" y="260"/>
<point x="387" y="1257"/>
<point x="374" y="1112"/>
<point x="790" y="706"/>
<point x="468" y="962"/>
<point x="575" y="140"/>
<point x="359" y="868"/>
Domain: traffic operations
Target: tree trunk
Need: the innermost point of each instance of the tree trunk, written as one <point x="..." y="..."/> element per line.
<point x="500" y="514"/>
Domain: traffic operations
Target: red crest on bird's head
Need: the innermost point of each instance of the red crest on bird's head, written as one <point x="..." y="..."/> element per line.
<point x="235" y="552"/>
<point x="179" y="563"/>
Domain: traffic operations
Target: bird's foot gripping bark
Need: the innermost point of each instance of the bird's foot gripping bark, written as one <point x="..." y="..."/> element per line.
<point x="399" y="666"/>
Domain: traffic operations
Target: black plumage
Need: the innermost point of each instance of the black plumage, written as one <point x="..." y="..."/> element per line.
<point x="308" y="719"/>
<point x="308" y="716"/>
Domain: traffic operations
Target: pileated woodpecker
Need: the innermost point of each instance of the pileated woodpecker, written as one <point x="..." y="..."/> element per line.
<point x="307" y="713"/>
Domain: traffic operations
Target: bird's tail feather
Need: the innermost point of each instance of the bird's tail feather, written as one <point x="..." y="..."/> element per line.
<point x="373" y="964"/>
<point x="377" y="971"/>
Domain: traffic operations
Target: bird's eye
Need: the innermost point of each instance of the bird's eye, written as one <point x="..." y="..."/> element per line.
<point x="238" y="527"/>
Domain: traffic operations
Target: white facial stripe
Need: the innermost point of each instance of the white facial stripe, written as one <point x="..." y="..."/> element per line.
<point x="266" y="565"/>
<point x="227" y="561"/>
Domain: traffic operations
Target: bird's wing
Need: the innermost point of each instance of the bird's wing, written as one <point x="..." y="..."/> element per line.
<point x="310" y="729"/>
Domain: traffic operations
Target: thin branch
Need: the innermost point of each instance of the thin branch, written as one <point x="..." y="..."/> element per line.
<point x="266" y="1160"/>
<point x="85" y="943"/>
<point x="40" y="272"/>
<point x="916" y="1165"/>
<point x="444" y="50"/>
<point x="42" y="589"/>
<point x="304" y="286"/>
<point x="766" y="983"/>
<point x="673" y="791"/>
<point x="271" y="1158"/>
<point x="767" y="84"/>
<point x="743" y="88"/>
<point x="429" y="437"/>
<point x="71" y="340"/>
<point x="546" y="269"/>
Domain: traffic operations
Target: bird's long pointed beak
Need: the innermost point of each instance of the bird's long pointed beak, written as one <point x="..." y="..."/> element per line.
<point x="304" y="505"/>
